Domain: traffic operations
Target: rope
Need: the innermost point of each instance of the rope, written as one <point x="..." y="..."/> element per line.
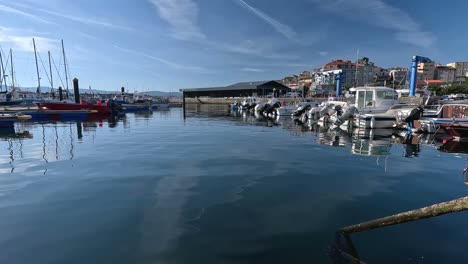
<point x="58" y="73"/>
<point x="48" y="77"/>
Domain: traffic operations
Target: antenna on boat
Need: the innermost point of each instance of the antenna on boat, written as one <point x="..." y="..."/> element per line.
<point x="37" y="69"/>
<point x="65" y="64"/>
<point x="51" y="78"/>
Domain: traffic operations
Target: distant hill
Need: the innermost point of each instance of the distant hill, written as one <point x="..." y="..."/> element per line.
<point x="85" y="91"/>
<point x="162" y="94"/>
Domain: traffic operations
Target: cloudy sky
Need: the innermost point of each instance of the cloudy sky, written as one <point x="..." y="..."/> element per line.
<point x="171" y="44"/>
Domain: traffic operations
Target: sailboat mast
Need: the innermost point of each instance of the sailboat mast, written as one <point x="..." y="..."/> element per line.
<point x="51" y="78"/>
<point x="3" y="73"/>
<point x="65" y="63"/>
<point x="37" y="69"/>
<point x="357" y="60"/>
<point x="12" y="71"/>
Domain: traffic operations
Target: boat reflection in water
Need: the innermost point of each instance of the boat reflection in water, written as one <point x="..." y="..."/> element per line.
<point x="453" y="146"/>
<point x="7" y="133"/>
<point x="54" y="141"/>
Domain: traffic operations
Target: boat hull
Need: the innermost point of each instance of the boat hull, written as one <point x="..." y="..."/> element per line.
<point x="136" y="107"/>
<point x="11" y="103"/>
<point x="100" y="109"/>
<point x="375" y="121"/>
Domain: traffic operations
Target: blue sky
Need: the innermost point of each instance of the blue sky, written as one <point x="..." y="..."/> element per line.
<point x="171" y="44"/>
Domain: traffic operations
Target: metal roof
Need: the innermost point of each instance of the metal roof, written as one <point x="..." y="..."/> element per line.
<point x="253" y="85"/>
<point x="236" y="86"/>
<point x="207" y="89"/>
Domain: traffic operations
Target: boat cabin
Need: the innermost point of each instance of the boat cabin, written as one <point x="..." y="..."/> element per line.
<point x="373" y="98"/>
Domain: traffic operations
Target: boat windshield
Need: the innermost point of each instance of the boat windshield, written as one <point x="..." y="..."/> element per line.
<point x="386" y="95"/>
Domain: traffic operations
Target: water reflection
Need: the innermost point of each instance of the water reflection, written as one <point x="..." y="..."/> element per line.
<point x="452" y="146"/>
<point x="56" y="140"/>
<point x="367" y="142"/>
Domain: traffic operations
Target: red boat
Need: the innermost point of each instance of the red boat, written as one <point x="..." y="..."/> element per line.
<point x="456" y="130"/>
<point x="100" y="109"/>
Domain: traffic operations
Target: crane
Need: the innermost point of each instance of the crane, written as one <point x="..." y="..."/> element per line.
<point x="414" y="69"/>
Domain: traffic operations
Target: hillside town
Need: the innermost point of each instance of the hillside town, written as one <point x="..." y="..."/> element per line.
<point x="437" y="78"/>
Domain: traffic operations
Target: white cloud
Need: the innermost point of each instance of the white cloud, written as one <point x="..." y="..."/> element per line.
<point x="4" y="8"/>
<point x="283" y="29"/>
<point x="182" y="16"/>
<point x="323" y="53"/>
<point x="171" y="64"/>
<point x="380" y="14"/>
<point x="420" y="39"/>
<point x="22" y="40"/>
<point x="252" y="70"/>
<point x="85" y="20"/>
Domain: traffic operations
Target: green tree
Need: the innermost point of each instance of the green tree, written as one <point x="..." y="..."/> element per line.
<point x="454" y="89"/>
<point x="436" y="89"/>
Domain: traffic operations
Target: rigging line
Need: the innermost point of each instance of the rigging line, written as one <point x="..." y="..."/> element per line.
<point x="58" y="73"/>
<point x="68" y="69"/>
<point x="48" y="77"/>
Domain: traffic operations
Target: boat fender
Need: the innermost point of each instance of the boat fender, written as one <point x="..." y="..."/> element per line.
<point x="372" y="122"/>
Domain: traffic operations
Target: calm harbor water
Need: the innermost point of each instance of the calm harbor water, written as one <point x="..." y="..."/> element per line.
<point x="221" y="188"/>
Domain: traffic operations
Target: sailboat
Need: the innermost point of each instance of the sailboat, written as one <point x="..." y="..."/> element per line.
<point x="98" y="108"/>
<point x="8" y="95"/>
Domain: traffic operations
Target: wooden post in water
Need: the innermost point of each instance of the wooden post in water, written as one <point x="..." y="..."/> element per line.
<point x="183" y="102"/>
<point x="453" y="206"/>
<point x="60" y="93"/>
<point x="76" y="90"/>
<point x="79" y="130"/>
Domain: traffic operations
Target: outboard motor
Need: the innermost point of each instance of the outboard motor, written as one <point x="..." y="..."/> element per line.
<point x="346" y="115"/>
<point x="264" y="108"/>
<point x="271" y="109"/>
<point x="301" y="110"/>
<point x="114" y="107"/>
<point x="252" y="106"/>
<point x="415" y="114"/>
<point x="338" y="109"/>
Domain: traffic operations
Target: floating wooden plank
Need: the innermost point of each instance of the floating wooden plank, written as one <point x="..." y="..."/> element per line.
<point x="453" y="206"/>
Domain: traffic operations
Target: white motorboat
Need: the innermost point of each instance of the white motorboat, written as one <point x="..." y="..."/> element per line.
<point x="368" y="107"/>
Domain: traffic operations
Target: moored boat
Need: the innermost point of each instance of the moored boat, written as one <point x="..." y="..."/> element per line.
<point x="7" y="120"/>
<point x="100" y="108"/>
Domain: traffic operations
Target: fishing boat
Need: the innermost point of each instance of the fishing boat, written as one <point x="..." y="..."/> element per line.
<point x="136" y="107"/>
<point x="133" y="104"/>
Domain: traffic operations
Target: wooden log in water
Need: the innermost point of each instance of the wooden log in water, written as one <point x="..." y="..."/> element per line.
<point x="453" y="206"/>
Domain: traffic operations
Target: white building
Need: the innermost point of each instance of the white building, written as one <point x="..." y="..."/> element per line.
<point x="461" y="70"/>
